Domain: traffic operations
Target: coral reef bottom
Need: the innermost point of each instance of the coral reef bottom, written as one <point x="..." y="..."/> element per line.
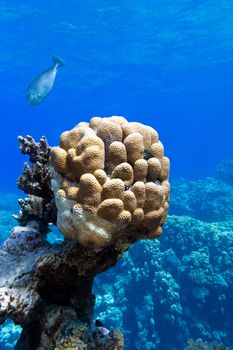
<point x="162" y="293"/>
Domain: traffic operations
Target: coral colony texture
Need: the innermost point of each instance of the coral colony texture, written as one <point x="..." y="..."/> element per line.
<point x="109" y="178"/>
<point x="105" y="187"/>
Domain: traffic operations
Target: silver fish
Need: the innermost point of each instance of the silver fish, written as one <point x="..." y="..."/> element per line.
<point x="40" y="87"/>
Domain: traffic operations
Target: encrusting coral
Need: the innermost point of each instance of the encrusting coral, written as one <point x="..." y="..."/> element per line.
<point x="106" y="187"/>
<point x="110" y="178"/>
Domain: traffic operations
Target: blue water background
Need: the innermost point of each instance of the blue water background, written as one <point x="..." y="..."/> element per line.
<point x="166" y="63"/>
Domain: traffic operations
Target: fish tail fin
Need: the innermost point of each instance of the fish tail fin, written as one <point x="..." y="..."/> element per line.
<point x="57" y="62"/>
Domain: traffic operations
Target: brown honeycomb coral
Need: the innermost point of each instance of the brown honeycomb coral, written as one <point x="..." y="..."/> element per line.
<point x="110" y="181"/>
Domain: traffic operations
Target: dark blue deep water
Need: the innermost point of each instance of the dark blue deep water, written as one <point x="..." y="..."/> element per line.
<point x="165" y="63"/>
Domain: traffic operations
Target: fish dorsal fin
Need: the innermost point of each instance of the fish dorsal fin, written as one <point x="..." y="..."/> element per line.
<point x="57" y="62"/>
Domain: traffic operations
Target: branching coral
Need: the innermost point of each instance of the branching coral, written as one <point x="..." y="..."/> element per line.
<point x="34" y="208"/>
<point x="36" y="182"/>
<point x="110" y="179"/>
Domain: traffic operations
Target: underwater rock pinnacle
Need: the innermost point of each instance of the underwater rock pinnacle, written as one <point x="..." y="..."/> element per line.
<point x="106" y="187"/>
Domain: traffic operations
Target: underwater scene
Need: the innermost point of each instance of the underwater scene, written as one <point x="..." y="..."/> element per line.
<point x="116" y="191"/>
